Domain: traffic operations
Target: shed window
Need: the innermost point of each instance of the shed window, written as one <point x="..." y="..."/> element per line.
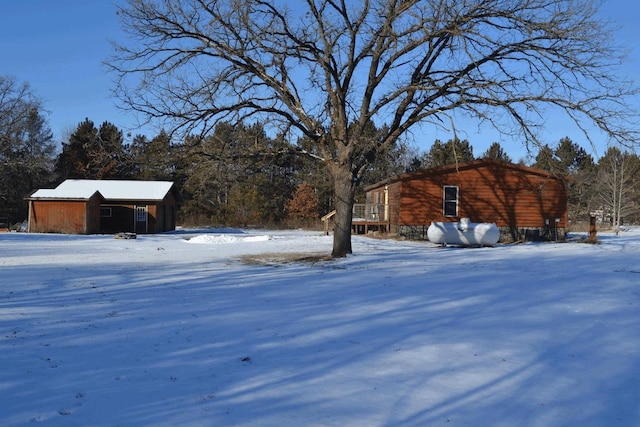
<point x="141" y="213"/>
<point x="105" y="212"/>
<point x="450" y="200"/>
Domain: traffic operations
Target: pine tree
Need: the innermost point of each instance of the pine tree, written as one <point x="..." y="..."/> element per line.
<point x="152" y="159"/>
<point x="448" y="153"/>
<point x="93" y="153"/>
<point x="496" y="152"/>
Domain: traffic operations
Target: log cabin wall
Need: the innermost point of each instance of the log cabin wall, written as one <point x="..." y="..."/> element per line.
<point x="500" y="195"/>
<point x="389" y="195"/>
<point x="514" y="197"/>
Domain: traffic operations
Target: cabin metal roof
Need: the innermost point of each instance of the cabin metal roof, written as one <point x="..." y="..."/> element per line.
<point x="84" y="189"/>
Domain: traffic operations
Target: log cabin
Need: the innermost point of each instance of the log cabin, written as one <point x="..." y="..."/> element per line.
<point x="524" y="202"/>
<point x="82" y="206"/>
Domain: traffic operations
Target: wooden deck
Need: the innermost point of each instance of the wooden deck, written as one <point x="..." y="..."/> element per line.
<point x="363" y="226"/>
<point x="367" y="218"/>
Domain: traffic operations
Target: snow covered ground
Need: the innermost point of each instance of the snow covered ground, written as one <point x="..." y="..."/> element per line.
<point x="223" y="328"/>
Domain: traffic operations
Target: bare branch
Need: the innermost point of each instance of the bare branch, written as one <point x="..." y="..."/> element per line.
<point x="330" y="68"/>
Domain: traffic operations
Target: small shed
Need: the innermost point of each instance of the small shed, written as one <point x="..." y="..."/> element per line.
<point x="80" y="206"/>
<point x="523" y="202"/>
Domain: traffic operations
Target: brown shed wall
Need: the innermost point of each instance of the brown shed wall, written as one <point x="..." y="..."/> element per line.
<point x="165" y="214"/>
<point x="160" y="216"/>
<point x="93" y="216"/>
<point x="61" y="216"/>
<point x="121" y="219"/>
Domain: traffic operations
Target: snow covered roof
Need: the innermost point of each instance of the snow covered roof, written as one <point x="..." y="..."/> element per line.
<point x="109" y="189"/>
<point x="71" y="194"/>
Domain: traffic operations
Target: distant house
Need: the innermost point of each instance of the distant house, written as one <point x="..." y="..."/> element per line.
<point x="523" y="202"/>
<point x="79" y="206"/>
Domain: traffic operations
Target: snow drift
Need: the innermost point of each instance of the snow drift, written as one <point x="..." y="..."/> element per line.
<point x="226" y="238"/>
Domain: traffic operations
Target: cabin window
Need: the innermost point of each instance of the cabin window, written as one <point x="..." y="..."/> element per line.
<point x="105" y="213"/>
<point x="450" y="201"/>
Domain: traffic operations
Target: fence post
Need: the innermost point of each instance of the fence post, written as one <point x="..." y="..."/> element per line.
<point x="592" y="229"/>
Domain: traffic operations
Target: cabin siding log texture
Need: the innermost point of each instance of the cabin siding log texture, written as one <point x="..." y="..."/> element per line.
<point x="511" y="196"/>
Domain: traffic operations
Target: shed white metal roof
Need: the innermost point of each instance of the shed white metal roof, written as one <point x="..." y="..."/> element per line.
<point x="71" y="194"/>
<point x="109" y="189"/>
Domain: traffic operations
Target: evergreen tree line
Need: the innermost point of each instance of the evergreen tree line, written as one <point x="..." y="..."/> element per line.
<point x="240" y="176"/>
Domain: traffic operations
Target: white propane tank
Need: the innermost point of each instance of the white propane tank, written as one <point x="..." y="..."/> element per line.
<point x="463" y="233"/>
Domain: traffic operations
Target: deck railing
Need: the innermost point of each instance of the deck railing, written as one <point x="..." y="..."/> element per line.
<point x="366" y="217"/>
<point x="371" y="212"/>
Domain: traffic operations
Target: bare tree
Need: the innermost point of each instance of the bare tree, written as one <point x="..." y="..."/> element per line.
<point x="618" y="182"/>
<point x="26" y="146"/>
<point x="327" y="68"/>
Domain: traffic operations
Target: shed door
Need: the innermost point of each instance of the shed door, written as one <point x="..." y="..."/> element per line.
<point x="141" y="219"/>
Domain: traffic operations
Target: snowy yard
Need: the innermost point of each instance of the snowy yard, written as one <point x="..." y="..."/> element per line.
<point x="211" y="328"/>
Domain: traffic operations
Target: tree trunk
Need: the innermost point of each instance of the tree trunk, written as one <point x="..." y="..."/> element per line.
<point x="620" y="191"/>
<point x="345" y="189"/>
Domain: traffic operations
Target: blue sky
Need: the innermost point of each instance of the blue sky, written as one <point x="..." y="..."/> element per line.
<point x="58" y="48"/>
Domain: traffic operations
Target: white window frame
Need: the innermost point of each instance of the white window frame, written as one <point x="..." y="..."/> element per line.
<point x="141" y="214"/>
